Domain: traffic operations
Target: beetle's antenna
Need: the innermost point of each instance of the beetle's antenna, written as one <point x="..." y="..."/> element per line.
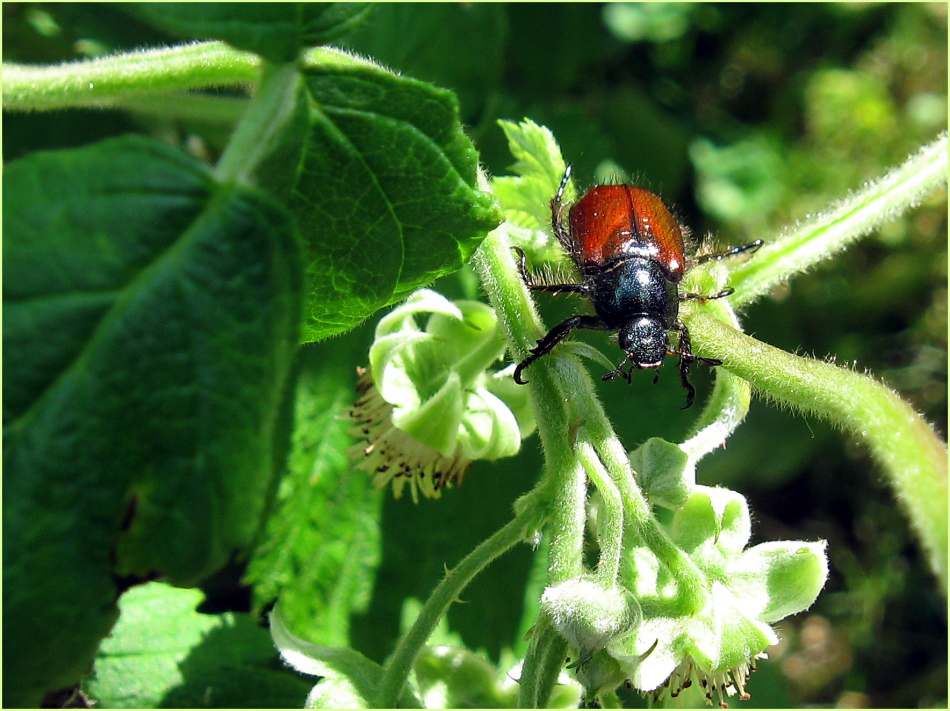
<point x="560" y="191"/>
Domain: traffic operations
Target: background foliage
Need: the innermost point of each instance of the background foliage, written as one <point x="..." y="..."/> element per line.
<point x="745" y="118"/>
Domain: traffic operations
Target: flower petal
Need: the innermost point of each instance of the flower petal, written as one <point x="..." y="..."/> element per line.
<point x="714" y="519"/>
<point x="436" y="422"/>
<point x="489" y="429"/>
<point x="781" y="578"/>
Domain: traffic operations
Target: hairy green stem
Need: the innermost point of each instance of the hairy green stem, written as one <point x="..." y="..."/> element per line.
<point x="913" y="457"/>
<point x="106" y="81"/>
<point x="271" y="109"/>
<point x="400" y="664"/>
<point x="564" y="477"/>
<point x="542" y="665"/>
<point x="152" y="81"/>
<point x="563" y="488"/>
<point x="611" y="526"/>
<point x="821" y="236"/>
<point x="691" y="593"/>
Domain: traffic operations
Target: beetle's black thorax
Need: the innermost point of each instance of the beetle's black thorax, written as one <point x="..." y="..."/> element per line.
<point x="629" y="286"/>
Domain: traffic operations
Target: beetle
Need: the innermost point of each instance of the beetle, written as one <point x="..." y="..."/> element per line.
<point x="631" y="255"/>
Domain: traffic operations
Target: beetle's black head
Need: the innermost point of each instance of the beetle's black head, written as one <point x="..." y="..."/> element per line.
<point x="645" y="340"/>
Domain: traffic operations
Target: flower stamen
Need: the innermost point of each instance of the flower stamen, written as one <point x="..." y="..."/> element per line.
<point x="392" y="454"/>
<point x="720" y="683"/>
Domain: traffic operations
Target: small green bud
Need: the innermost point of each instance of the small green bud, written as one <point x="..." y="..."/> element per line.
<point x="589" y="615"/>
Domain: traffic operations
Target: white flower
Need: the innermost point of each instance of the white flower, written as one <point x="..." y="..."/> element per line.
<point x="428" y="405"/>
<point x="746" y="590"/>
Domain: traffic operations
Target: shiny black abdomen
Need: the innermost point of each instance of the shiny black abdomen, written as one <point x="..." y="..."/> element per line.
<point x="632" y="286"/>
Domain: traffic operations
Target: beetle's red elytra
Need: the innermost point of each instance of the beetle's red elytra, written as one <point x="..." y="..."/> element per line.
<point x="631" y="254"/>
<point x="614" y="221"/>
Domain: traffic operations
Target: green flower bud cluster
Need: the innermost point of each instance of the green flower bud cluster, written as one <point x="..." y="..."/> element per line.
<point x="657" y="636"/>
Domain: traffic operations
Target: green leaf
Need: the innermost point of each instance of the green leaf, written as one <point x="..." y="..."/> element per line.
<point x="150" y="319"/>
<point x="663" y="471"/>
<point x="276" y="31"/>
<point x="526" y="197"/>
<point x="163" y="653"/>
<point x="453" y="45"/>
<point x="387" y="200"/>
<point x="322" y="543"/>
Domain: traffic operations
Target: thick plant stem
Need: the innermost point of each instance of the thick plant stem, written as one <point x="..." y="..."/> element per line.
<point x="564" y="477"/>
<point x="105" y="81"/>
<point x="400" y="664"/>
<point x="268" y="114"/>
<point x="817" y="238"/>
<point x="562" y="490"/>
<point x="912" y="455"/>
<point x="542" y="666"/>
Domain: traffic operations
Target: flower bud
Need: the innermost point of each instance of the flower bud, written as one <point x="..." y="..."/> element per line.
<point x="589" y="615"/>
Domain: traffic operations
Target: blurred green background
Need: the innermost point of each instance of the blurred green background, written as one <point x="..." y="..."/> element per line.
<point x="745" y="117"/>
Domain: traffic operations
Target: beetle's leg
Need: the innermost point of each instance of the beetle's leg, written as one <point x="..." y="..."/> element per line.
<point x="529" y="281"/>
<point x="728" y="291"/>
<point x="620" y="371"/>
<point x="555" y="336"/>
<point x="685" y="352"/>
<point x="716" y="256"/>
<point x="686" y="360"/>
<point x="685" y="363"/>
<point x="729" y="252"/>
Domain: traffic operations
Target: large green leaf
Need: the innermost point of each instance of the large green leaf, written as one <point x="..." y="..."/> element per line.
<point x="321" y="544"/>
<point x="277" y="31"/>
<point x="150" y="317"/>
<point x="458" y="46"/>
<point x="386" y="201"/>
<point x="163" y="653"/>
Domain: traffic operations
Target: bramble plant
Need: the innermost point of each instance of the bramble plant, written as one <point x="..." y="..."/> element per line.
<point x="159" y="422"/>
